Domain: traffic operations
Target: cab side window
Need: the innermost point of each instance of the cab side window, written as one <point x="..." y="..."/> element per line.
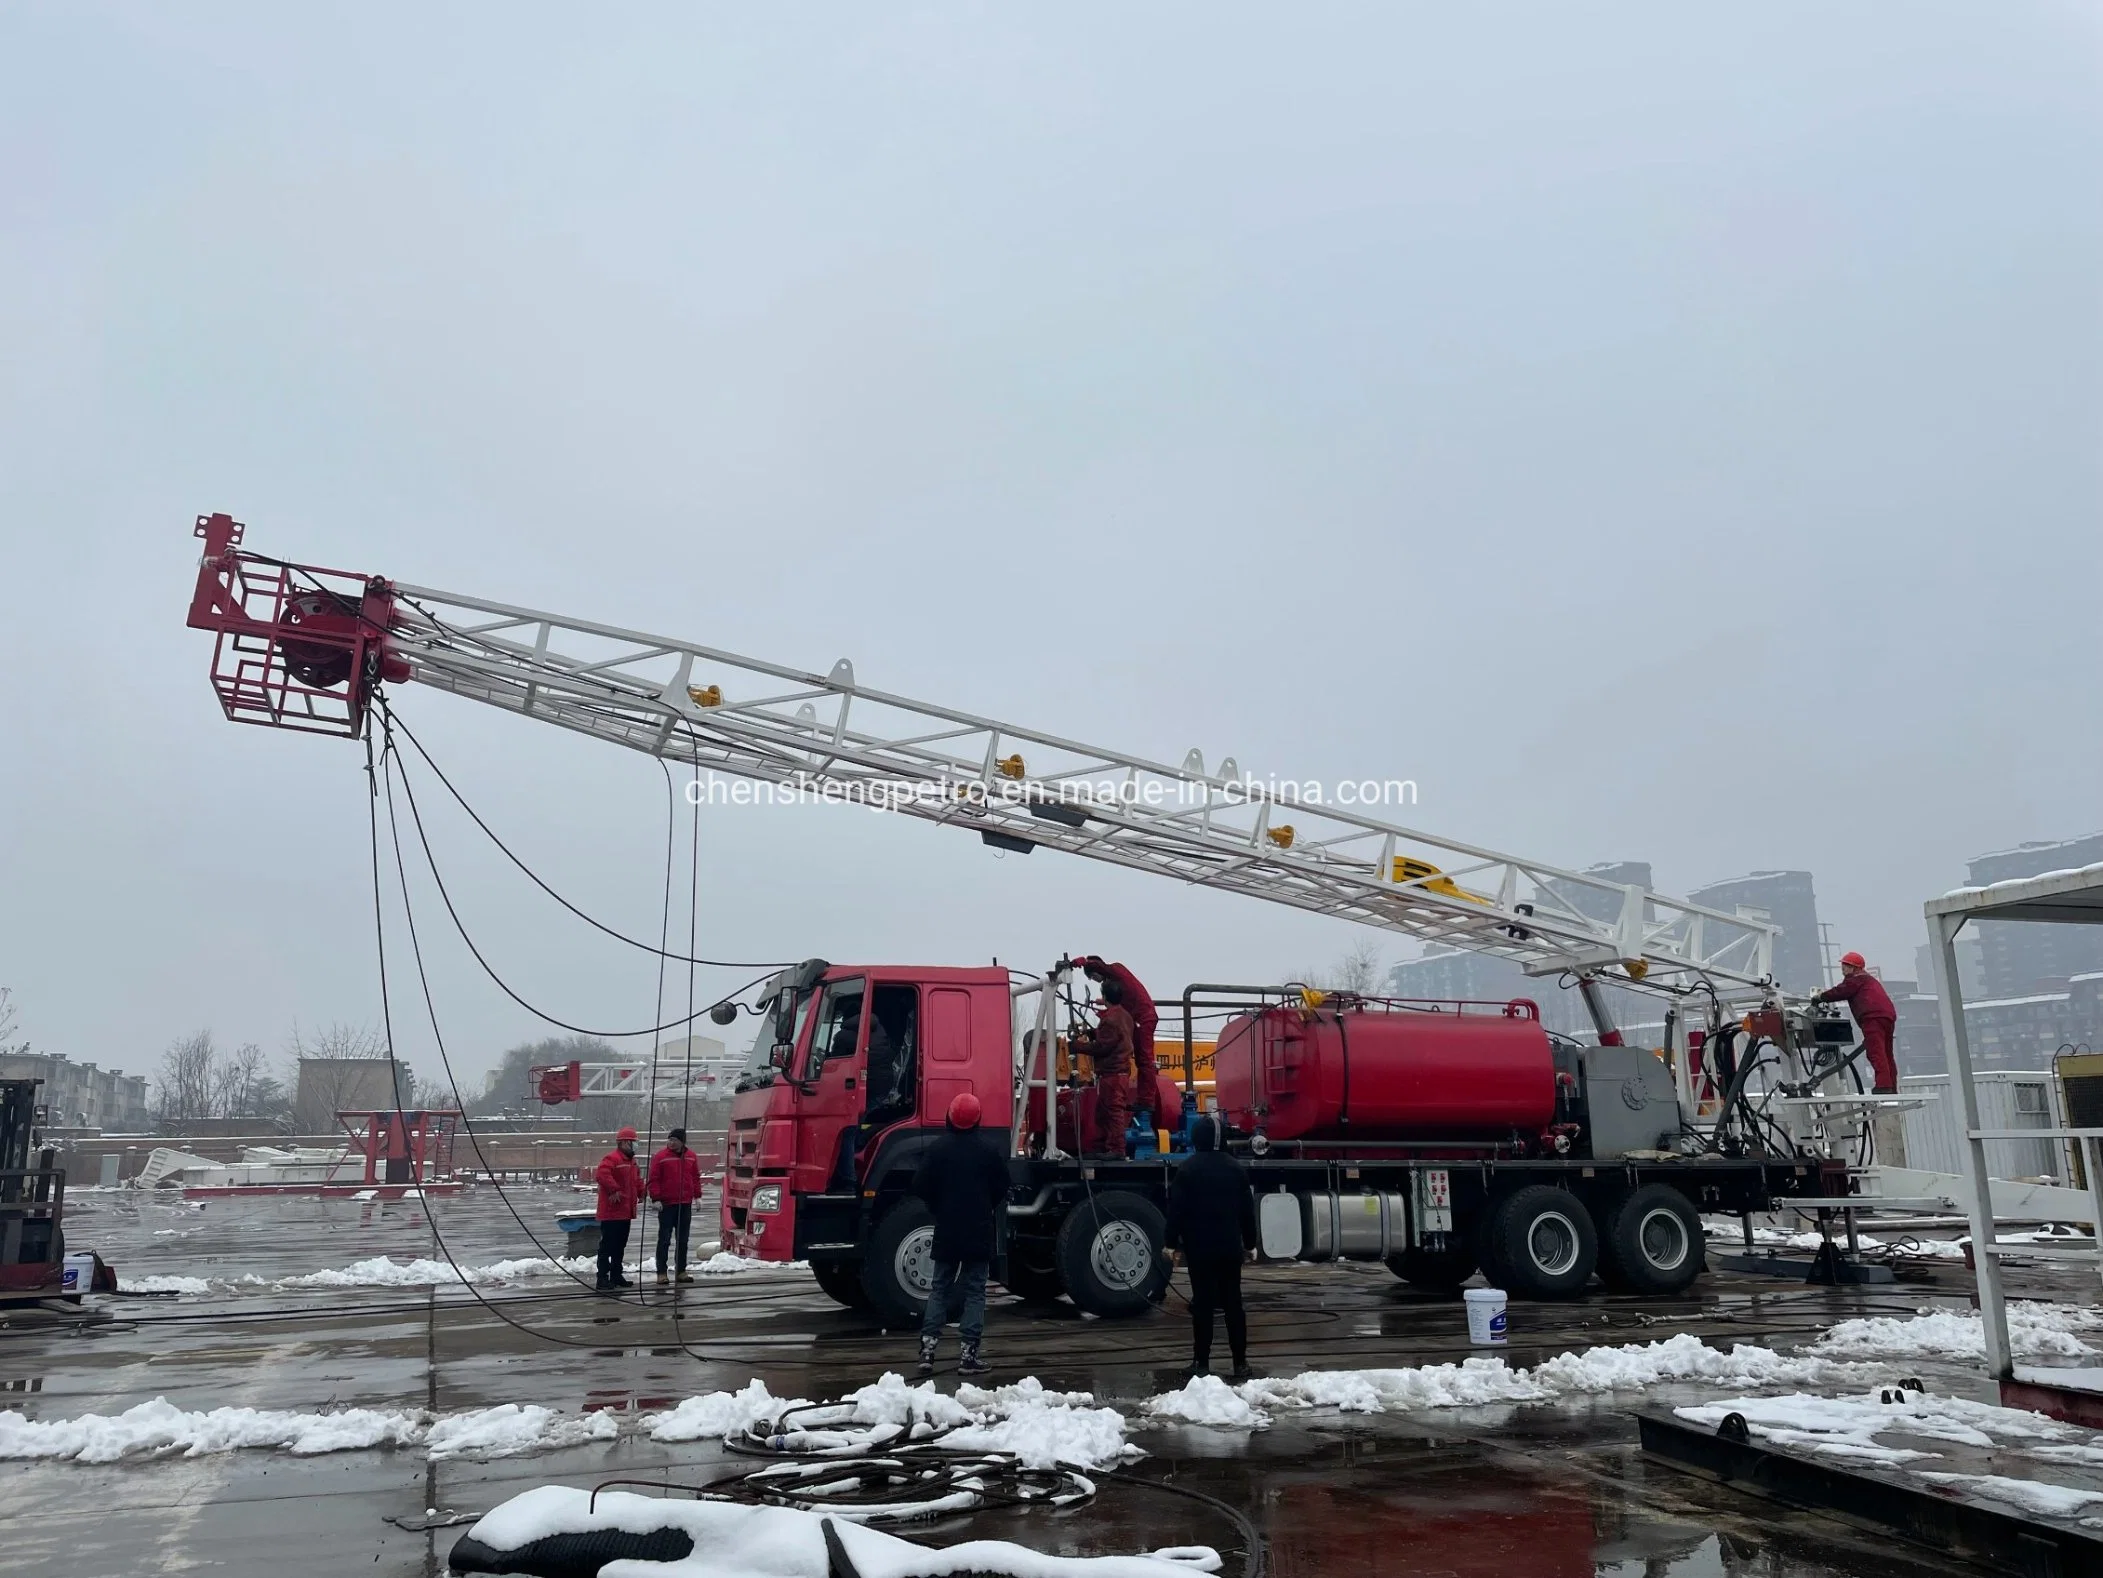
<point x="839" y="1027"/>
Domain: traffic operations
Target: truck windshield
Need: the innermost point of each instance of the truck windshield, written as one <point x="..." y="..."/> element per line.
<point x="782" y="1021"/>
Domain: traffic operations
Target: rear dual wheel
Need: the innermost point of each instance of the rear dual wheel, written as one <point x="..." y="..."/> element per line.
<point x="1652" y="1242"/>
<point x="1540" y="1243"/>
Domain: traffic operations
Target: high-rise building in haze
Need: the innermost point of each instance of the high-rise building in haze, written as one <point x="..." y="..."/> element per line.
<point x="2024" y="958"/>
<point x="1785" y="898"/>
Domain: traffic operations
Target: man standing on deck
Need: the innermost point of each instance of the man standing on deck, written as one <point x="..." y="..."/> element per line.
<point x="1877" y="1018"/>
<point x="675" y="1184"/>
<point x="1871" y="1005"/>
<point x="1139" y="1003"/>
<point x="620" y="1186"/>
<point x="1110" y="1046"/>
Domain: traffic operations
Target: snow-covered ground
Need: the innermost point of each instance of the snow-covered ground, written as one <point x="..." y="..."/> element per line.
<point x="1482" y="1381"/>
<point x="2035" y="1331"/>
<point x="732" y="1541"/>
<point x="159" y="1427"/>
<point x="381" y="1271"/>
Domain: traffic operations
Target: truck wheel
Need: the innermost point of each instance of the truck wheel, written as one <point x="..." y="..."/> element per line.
<point x="1485" y="1235"/>
<point x="841" y="1281"/>
<point x="898" y="1271"/>
<point x="1653" y="1242"/>
<point x="1434" y="1270"/>
<point x="1545" y="1243"/>
<point x="1040" y="1283"/>
<point x="1110" y="1254"/>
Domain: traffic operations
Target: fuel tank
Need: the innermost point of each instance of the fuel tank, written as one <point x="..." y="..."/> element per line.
<point x="1370" y="1073"/>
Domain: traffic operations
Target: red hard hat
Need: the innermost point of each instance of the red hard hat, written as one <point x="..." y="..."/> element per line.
<point x="964" y="1110"/>
<point x="625" y="1134"/>
<point x="1855" y="959"/>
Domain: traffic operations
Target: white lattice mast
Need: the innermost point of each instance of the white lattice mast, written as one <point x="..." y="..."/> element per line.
<point x="827" y="736"/>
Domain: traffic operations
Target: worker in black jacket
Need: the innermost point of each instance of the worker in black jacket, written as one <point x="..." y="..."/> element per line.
<point x="964" y="1182"/>
<point x="1212" y="1224"/>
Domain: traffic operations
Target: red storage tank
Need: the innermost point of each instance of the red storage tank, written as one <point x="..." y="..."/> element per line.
<point x="1387" y="1074"/>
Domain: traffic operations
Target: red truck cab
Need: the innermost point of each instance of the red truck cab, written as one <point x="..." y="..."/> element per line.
<point x="850" y="1077"/>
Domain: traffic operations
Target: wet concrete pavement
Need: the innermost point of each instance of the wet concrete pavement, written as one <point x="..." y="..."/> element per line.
<point x="1544" y="1490"/>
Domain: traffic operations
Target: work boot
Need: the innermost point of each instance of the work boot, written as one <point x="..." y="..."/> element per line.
<point x="1241" y="1372"/>
<point x="971" y="1363"/>
<point x="927" y="1357"/>
<point x="1197" y="1372"/>
<point x="664" y="1279"/>
<point x="622" y="1282"/>
<point x="683" y="1277"/>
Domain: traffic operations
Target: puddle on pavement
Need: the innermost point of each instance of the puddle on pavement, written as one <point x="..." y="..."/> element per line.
<point x="1390" y="1508"/>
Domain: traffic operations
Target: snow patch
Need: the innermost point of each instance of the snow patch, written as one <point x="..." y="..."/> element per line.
<point x="732" y="1541"/>
<point x="1480" y="1382"/>
<point x="381" y="1272"/>
<point x="723" y="1262"/>
<point x="2035" y="1331"/>
<point x="160" y="1427"/>
<point x="165" y="1284"/>
<point x="1849" y="1426"/>
<point x="2048" y="1501"/>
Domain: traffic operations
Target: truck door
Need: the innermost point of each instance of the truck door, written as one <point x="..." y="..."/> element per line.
<point x="829" y="1087"/>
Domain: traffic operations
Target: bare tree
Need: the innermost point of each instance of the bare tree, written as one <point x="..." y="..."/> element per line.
<point x="183" y="1086"/>
<point x="11" y="1043"/>
<point x="333" y="1069"/>
<point x="1357" y="971"/>
<point x="236" y="1081"/>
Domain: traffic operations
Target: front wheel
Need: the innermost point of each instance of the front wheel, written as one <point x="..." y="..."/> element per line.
<point x="1653" y="1242"/>
<point x="1110" y="1254"/>
<point x="898" y="1272"/>
<point x="841" y="1281"/>
<point x="1545" y="1243"/>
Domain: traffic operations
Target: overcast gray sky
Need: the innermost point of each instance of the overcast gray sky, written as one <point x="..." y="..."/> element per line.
<point x="1662" y="432"/>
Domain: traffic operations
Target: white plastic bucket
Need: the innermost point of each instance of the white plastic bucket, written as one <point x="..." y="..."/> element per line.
<point x="1485" y="1316"/>
<point x="77" y="1276"/>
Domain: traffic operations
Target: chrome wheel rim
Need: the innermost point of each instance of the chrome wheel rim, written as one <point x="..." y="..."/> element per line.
<point x="1662" y="1238"/>
<point x="1122" y="1256"/>
<point x="914" y="1263"/>
<point x="1552" y="1243"/>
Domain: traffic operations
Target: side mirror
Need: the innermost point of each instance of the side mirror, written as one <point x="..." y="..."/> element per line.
<point x="724" y="1013"/>
<point x="783" y="1051"/>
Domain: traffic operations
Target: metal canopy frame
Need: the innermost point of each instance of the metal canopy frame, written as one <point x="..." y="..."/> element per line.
<point x="828" y="737"/>
<point x="2057" y="898"/>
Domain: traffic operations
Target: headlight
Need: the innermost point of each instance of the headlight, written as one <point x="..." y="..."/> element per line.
<point x="767" y="1197"/>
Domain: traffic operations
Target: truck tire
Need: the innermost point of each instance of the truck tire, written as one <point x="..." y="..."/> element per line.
<point x="1484" y="1235"/>
<point x="1028" y="1280"/>
<point x="1653" y="1242"/>
<point x="898" y="1271"/>
<point x="841" y="1281"/>
<point x="1435" y="1270"/>
<point x="1544" y="1243"/>
<point x="1110" y="1254"/>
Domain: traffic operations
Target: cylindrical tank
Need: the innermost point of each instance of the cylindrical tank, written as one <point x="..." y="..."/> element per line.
<point x="1378" y="1074"/>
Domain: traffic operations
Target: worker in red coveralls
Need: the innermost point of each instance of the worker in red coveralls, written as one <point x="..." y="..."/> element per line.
<point x="1871" y="1005"/>
<point x="620" y="1187"/>
<point x="1139" y="1003"/>
<point x="675" y="1184"/>
<point x="1110" y="1045"/>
